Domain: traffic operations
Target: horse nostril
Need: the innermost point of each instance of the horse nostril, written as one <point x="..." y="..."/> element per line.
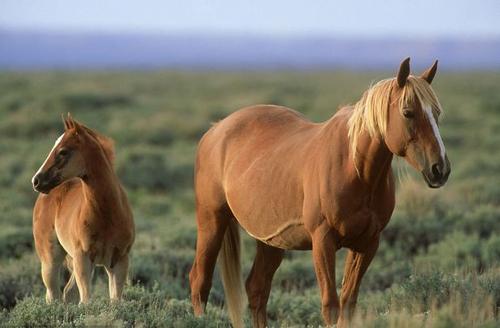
<point x="36" y="181"/>
<point x="437" y="170"/>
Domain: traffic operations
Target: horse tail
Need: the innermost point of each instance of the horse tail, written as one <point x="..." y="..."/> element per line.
<point x="230" y="267"/>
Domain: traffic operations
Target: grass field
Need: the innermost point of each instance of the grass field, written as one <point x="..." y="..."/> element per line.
<point x="439" y="260"/>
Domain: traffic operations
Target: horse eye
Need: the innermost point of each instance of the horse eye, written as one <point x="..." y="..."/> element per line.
<point x="63" y="152"/>
<point x="408" y="113"/>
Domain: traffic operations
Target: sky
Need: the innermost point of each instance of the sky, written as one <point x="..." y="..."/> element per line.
<point x="347" y="18"/>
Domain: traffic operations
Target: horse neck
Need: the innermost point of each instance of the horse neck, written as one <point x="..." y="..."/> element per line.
<point x="101" y="185"/>
<point x="373" y="160"/>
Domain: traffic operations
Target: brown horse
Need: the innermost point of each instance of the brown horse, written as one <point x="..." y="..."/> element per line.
<point x="82" y="214"/>
<point x="297" y="185"/>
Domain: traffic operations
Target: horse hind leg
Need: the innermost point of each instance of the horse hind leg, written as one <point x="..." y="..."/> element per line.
<point x="117" y="276"/>
<point x="212" y="224"/>
<point x="258" y="284"/>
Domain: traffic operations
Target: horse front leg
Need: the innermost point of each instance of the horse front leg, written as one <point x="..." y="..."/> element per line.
<point x="324" y="247"/>
<point x="83" y="269"/>
<point x="356" y="264"/>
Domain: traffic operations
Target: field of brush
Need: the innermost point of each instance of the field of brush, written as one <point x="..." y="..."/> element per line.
<point x="439" y="260"/>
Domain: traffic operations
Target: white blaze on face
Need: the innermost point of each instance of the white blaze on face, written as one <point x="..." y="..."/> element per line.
<point x="55" y="145"/>
<point x="435" y="129"/>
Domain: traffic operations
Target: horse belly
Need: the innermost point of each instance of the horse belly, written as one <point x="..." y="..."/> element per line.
<point x="291" y="237"/>
<point x="270" y="221"/>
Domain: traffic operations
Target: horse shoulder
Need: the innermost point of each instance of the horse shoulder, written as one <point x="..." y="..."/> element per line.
<point x="386" y="201"/>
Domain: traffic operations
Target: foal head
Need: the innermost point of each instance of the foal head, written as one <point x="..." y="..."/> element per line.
<point x="404" y="112"/>
<point x="69" y="157"/>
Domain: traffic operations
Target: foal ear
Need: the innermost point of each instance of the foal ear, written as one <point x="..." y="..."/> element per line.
<point x="404" y="72"/>
<point x="66" y="127"/>
<point x="68" y="122"/>
<point x="75" y="124"/>
<point x="429" y="74"/>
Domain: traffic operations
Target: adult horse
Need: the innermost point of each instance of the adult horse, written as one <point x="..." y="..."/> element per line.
<point x="82" y="214"/>
<point x="294" y="184"/>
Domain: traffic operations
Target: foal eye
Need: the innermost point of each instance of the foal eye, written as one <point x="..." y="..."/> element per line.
<point x="408" y="113"/>
<point x="63" y="152"/>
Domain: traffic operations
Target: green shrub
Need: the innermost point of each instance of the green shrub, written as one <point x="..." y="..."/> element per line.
<point x="481" y="220"/>
<point x="18" y="279"/>
<point x="291" y="309"/>
<point x="15" y="243"/>
<point x="77" y="101"/>
<point x="139" y="308"/>
<point x="149" y="169"/>
<point x="295" y="275"/>
<point x="414" y="235"/>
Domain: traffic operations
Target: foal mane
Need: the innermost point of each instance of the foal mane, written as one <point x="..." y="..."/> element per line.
<point x="370" y="113"/>
<point x="107" y="144"/>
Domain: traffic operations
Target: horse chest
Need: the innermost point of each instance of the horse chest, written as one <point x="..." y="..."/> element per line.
<point x="358" y="215"/>
<point x="357" y="227"/>
<point x="84" y="234"/>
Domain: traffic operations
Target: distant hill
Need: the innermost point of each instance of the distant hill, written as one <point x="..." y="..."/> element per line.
<point x="29" y="50"/>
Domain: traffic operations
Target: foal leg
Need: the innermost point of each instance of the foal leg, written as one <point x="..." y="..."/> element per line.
<point x="49" y="250"/>
<point x="82" y="269"/>
<point x="324" y="248"/>
<point x="70" y="293"/>
<point x="52" y="262"/>
<point x="117" y="277"/>
<point x="258" y="284"/>
<point x="212" y="225"/>
<point x="356" y="264"/>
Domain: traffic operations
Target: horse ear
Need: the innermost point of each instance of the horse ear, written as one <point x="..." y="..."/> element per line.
<point x="75" y="124"/>
<point x="65" y="122"/>
<point x="404" y="72"/>
<point x="429" y="74"/>
<point x="69" y="121"/>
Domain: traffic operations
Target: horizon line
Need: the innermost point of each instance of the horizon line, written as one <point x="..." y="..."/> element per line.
<point x="246" y="34"/>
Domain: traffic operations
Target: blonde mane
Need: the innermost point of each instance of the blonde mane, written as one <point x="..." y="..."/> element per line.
<point x="370" y="113"/>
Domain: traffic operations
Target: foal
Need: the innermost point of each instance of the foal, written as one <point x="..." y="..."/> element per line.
<point x="294" y="184"/>
<point x="82" y="214"/>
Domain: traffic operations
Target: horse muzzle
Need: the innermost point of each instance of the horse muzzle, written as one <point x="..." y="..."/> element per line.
<point x="43" y="183"/>
<point x="436" y="175"/>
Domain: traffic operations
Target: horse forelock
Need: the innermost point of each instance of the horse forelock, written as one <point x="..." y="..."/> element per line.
<point x="370" y="113"/>
<point x="419" y="89"/>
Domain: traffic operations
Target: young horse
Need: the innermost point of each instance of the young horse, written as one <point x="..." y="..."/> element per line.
<point x="294" y="184"/>
<point x="82" y="214"/>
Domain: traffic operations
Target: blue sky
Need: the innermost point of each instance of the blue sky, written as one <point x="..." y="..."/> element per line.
<point x="347" y="18"/>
